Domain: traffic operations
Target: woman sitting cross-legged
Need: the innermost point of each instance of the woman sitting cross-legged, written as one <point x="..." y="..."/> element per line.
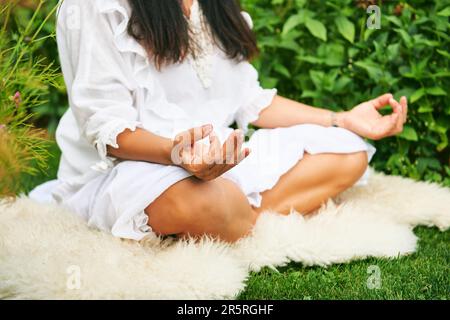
<point x="147" y="145"/>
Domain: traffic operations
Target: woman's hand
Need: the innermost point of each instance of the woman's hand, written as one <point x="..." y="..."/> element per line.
<point x="366" y="121"/>
<point x="208" y="162"/>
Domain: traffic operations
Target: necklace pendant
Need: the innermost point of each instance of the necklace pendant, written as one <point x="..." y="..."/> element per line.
<point x="201" y="58"/>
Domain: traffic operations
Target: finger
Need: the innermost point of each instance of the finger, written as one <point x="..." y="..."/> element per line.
<point x="239" y="140"/>
<point x="201" y="152"/>
<point x="396" y="107"/>
<point x="229" y="147"/>
<point x="381" y="101"/>
<point x="244" y="154"/>
<point x="190" y="137"/>
<point x="186" y="157"/>
<point x="398" y="110"/>
<point x="385" y="126"/>
<point x="218" y="170"/>
<point x="404" y="103"/>
<point x="215" y="148"/>
<point x="227" y="167"/>
<point x="392" y="124"/>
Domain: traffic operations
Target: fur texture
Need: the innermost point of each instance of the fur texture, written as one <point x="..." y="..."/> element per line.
<point x="43" y="246"/>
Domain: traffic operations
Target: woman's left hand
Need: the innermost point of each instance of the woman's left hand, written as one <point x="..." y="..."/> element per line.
<point x="366" y="121"/>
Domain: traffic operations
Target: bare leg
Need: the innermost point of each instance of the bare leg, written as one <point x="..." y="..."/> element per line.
<point x="313" y="180"/>
<point x="219" y="208"/>
<point x="195" y="208"/>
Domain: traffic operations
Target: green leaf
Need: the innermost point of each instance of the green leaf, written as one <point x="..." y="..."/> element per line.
<point x="443" y="53"/>
<point x="333" y="54"/>
<point x="416" y="96"/>
<point x="444" y="142"/>
<point x="445" y="12"/>
<point x="409" y="133"/>
<point x="282" y="70"/>
<point x="289" y="44"/>
<point x="310" y="94"/>
<point x="392" y="51"/>
<point x="442" y="74"/>
<point x="394" y="20"/>
<point x="368" y="33"/>
<point x="269" y="82"/>
<point x="311" y="59"/>
<point x="317" y="29"/>
<point x="317" y="77"/>
<point x="425" y="163"/>
<point x="300" y="3"/>
<point x="346" y="28"/>
<point x="436" y="91"/>
<point x="292" y="22"/>
<point x="341" y="84"/>
<point x="406" y="37"/>
<point x="425" y="108"/>
<point x="373" y="69"/>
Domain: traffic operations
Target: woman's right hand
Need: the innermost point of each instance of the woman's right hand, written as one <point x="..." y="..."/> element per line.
<point x="208" y="162"/>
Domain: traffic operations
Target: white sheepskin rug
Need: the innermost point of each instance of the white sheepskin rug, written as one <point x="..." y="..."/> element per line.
<point x="48" y="253"/>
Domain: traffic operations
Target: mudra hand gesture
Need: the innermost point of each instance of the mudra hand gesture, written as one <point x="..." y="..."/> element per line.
<point x="208" y="162"/>
<point x="366" y="121"/>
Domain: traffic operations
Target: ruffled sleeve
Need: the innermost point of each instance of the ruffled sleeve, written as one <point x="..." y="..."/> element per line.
<point x="256" y="98"/>
<point x="100" y="94"/>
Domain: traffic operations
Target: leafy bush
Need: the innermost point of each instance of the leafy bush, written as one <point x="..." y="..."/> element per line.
<point x="322" y="53"/>
<point x="54" y="104"/>
<point x="26" y="79"/>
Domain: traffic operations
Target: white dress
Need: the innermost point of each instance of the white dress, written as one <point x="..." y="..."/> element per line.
<point x="113" y="85"/>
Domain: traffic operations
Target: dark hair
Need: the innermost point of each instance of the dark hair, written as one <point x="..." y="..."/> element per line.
<point x="161" y="27"/>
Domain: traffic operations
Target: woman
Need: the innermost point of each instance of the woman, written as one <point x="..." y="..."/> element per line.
<point x="147" y="148"/>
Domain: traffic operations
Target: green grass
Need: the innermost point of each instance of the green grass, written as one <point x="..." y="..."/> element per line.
<point x="423" y="275"/>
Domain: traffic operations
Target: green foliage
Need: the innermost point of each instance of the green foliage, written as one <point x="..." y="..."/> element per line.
<point x="53" y="106"/>
<point x="25" y="81"/>
<point x="322" y="53"/>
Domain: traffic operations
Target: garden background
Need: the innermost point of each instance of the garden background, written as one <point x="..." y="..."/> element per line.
<point x="317" y="52"/>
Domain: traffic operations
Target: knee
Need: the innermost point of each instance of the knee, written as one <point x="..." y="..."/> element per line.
<point x="217" y="208"/>
<point x="235" y="212"/>
<point x="204" y="204"/>
<point x="351" y="168"/>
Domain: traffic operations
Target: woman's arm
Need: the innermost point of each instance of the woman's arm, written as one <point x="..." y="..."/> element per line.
<point x="284" y="112"/>
<point x="204" y="163"/>
<point x="142" y="145"/>
<point x="363" y="119"/>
